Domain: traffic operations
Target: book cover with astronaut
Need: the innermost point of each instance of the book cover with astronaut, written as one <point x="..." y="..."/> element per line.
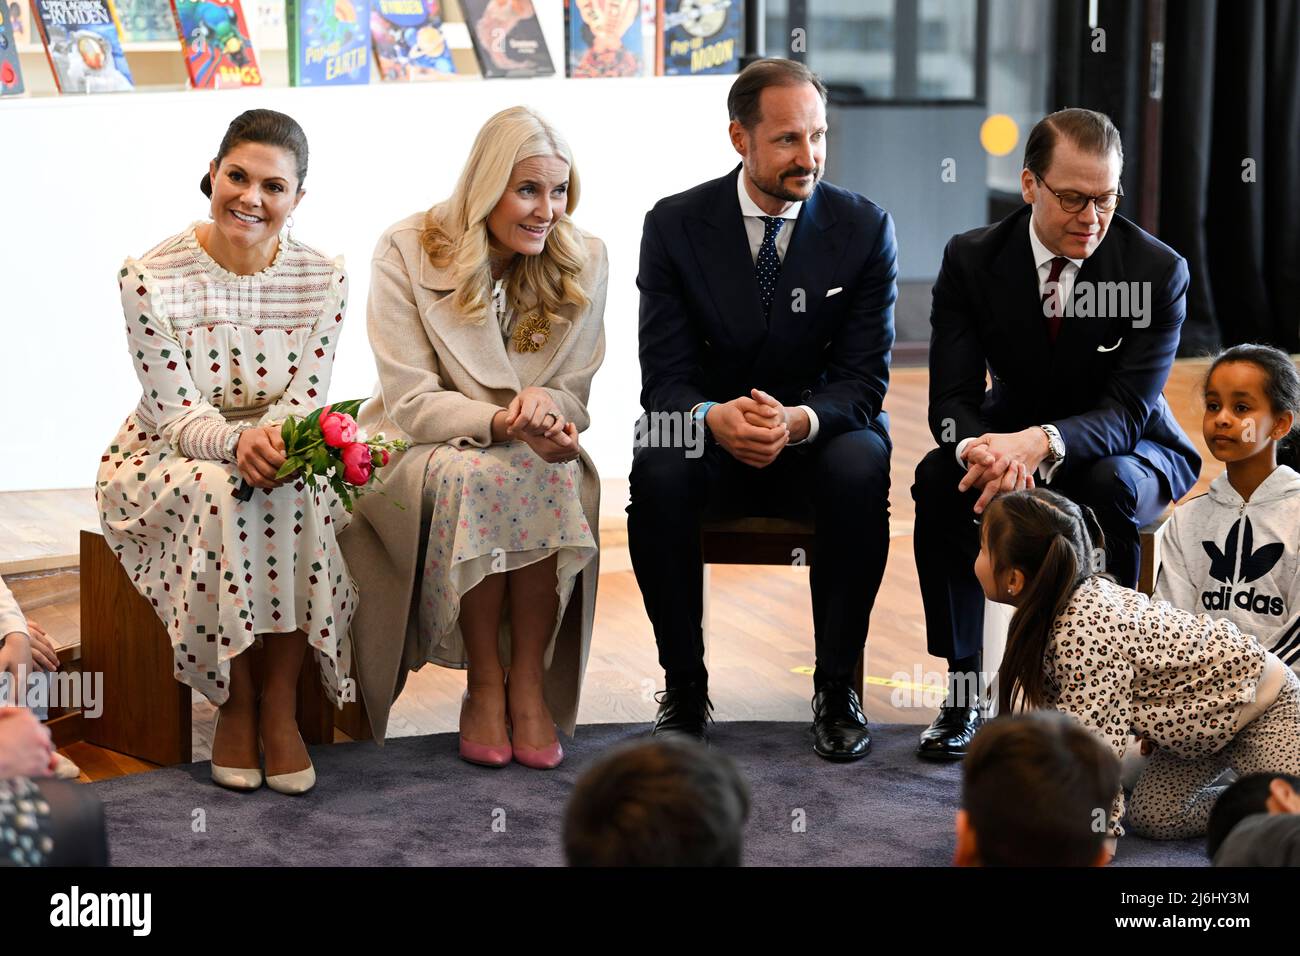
<point x="216" y="44"/>
<point x="507" y="38"/>
<point x="700" y="36"/>
<point x="145" y="21"/>
<point x="83" y="41"/>
<point x="409" y="42"/>
<point x="11" y="71"/>
<point x="329" y="42"/>
<point x="603" y="37"/>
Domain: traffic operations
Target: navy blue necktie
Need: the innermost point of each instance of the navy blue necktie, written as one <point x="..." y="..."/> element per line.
<point x="768" y="266"/>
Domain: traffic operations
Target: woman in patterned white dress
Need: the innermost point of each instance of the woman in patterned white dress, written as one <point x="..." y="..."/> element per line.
<point x="486" y="320"/>
<point x="232" y="327"/>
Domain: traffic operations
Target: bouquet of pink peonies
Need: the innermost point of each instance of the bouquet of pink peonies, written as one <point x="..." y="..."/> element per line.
<point x="327" y="446"/>
<point x="328" y="438"/>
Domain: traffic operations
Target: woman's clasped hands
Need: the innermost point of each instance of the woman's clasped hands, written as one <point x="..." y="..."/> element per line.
<point x="533" y="417"/>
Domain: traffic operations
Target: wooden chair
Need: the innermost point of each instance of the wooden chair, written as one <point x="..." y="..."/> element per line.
<point x="146" y="711"/>
<point x="760" y="541"/>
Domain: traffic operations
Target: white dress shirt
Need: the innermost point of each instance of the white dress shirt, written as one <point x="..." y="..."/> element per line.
<point x="1065" y="288"/>
<point x="754" y="228"/>
<point x="1043" y="263"/>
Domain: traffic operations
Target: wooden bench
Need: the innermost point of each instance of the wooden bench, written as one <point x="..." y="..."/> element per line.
<point x="146" y="710"/>
<point x="760" y="541"/>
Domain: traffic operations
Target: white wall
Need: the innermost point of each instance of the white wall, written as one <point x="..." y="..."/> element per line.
<point x="90" y="180"/>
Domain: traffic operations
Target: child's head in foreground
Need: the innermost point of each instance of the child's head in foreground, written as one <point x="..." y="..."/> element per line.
<point x="1036" y="791"/>
<point x="663" y="802"/>
<point x="1248" y="795"/>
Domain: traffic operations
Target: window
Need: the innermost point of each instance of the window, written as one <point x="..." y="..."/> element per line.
<point x="896" y="51"/>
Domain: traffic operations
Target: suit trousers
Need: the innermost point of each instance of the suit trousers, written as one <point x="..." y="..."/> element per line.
<point x="841" y="482"/>
<point x="1123" y="491"/>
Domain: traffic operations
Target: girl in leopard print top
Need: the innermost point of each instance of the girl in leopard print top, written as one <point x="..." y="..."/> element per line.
<point x="1205" y="696"/>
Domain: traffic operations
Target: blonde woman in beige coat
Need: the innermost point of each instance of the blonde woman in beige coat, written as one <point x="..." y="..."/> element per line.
<point x="486" y="320"/>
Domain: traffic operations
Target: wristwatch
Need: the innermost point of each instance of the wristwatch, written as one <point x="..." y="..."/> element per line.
<point x="1055" y="444"/>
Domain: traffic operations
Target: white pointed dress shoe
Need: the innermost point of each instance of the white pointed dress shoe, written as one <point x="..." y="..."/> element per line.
<point x="298" y="782"/>
<point x="235" y="778"/>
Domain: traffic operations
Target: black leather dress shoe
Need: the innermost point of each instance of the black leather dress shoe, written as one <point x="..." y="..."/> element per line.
<point x="683" y="711"/>
<point x="839" y="726"/>
<point x="950" y="734"/>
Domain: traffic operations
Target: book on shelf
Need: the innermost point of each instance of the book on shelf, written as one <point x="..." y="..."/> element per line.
<point x="21" y="29"/>
<point x="700" y="36"/>
<point x="267" y="20"/>
<point x="83" y="42"/>
<point x="11" y="71"/>
<point x="649" y="35"/>
<point x="507" y="38"/>
<point x="216" y="44"/>
<point x="329" y="42"/>
<point x="602" y="38"/>
<point x="408" y="40"/>
<point x="145" y="21"/>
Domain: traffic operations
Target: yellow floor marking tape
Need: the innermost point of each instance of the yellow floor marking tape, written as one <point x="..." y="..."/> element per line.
<point x="882" y="681"/>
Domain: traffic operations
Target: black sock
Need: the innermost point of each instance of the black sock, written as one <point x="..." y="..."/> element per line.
<point x="964" y="682"/>
<point x="674" y="679"/>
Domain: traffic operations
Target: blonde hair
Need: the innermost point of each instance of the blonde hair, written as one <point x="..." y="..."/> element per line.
<point x="456" y="232"/>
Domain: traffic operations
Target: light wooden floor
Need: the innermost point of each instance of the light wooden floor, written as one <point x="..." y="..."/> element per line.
<point x="760" y="655"/>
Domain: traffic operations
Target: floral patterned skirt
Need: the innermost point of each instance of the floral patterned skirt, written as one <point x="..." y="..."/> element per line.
<point x="494" y="510"/>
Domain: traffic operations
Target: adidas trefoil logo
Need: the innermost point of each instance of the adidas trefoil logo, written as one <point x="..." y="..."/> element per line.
<point x="1254" y="565"/>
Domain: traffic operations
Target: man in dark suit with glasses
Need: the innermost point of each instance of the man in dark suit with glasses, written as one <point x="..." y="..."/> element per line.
<point x="1075" y="314"/>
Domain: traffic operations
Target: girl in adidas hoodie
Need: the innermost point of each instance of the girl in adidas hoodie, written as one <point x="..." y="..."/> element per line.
<point x="1234" y="552"/>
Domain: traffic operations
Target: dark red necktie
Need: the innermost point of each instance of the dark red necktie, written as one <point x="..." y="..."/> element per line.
<point x="1054" y="314"/>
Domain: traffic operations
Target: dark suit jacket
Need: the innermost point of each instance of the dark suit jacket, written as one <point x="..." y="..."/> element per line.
<point x="1100" y="384"/>
<point x="702" y="332"/>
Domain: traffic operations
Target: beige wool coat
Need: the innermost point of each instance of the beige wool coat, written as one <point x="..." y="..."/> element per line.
<point x="441" y="379"/>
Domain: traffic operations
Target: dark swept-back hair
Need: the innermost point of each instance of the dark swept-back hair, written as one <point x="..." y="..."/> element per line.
<point x="1247" y="796"/>
<point x="1033" y="788"/>
<point x="657" y="803"/>
<point x="742" y="101"/>
<point x="1089" y="130"/>
<point x="1051" y="540"/>
<point x="268" y="128"/>
<point x="1281" y="388"/>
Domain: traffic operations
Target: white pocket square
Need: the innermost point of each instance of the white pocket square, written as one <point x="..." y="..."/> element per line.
<point x="838" y="288"/>
<point x="1102" y="348"/>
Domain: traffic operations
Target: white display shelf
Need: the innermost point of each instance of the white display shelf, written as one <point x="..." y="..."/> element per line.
<point x="503" y="90"/>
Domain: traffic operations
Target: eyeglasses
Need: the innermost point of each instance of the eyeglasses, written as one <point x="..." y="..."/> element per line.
<point x="1073" y="202"/>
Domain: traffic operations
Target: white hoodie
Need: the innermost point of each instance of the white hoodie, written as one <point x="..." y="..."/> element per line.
<point x="1239" y="560"/>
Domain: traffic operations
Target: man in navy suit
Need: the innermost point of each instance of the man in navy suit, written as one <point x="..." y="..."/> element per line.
<point x="766" y="323"/>
<point x="1074" y="312"/>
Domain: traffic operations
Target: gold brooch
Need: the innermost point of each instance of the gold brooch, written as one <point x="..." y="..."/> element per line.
<point x="531" y="332"/>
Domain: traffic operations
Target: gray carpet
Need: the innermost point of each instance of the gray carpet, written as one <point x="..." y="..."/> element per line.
<point x="414" y="802"/>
